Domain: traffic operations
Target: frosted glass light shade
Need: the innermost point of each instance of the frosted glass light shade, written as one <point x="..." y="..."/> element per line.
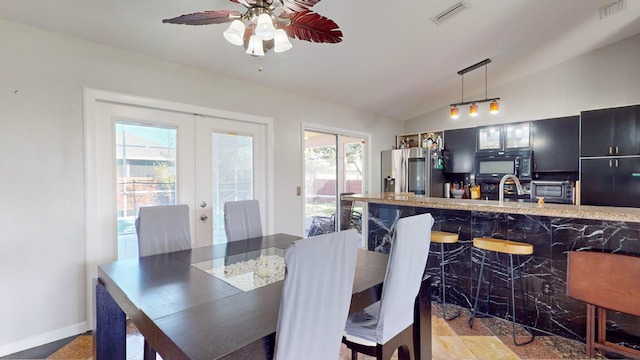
<point x="235" y="33"/>
<point x="281" y="41"/>
<point x="473" y="110"/>
<point x="494" y="107"/>
<point x="454" y="112"/>
<point x="264" y="27"/>
<point x="255" y="46"/>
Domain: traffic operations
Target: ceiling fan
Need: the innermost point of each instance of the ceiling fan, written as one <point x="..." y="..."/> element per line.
<point x="269" y="24"/>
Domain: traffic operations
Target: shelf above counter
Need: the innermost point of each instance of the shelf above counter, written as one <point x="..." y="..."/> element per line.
<point x="606" y="213"/>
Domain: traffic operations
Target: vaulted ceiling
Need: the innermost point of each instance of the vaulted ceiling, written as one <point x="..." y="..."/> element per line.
<point x="394" y="60"/>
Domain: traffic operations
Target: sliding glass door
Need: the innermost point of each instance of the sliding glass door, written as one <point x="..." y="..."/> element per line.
<point x="334" y="164"/>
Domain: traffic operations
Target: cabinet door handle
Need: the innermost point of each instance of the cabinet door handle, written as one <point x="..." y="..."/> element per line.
<point x="610" y="150"/>
<point x="616" y="150"/>
<point x="616" y="163"/>
<point x="610" y="163"/>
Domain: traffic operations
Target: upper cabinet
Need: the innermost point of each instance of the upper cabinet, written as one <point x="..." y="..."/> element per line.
<point x="556" y="144"/>
<point x="610" y="132"/>
<point x="515" y="136"/>
<point x="432" y="139"/>
<point x="461" y="147"/>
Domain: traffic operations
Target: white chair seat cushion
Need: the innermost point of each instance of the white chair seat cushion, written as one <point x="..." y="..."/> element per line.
<point x="362" y="325"/>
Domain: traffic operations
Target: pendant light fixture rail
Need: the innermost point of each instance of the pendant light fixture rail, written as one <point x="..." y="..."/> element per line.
<point x="473" y="109"/>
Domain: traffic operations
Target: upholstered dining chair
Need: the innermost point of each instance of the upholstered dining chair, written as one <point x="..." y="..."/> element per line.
<point x="162" y="229"/>
<point x="242" y="220"/>
<point x="316" y="295"/>
<point x="387" y="325"/>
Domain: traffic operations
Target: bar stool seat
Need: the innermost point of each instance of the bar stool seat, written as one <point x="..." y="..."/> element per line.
<point x="503" y="246"/>
<point x="510" y="248"/>
<point x="443" y="237"/>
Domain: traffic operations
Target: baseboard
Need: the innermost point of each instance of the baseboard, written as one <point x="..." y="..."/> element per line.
<point x="28" y="343"/>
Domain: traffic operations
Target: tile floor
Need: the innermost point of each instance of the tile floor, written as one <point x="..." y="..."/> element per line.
<point x="489" y="339"/>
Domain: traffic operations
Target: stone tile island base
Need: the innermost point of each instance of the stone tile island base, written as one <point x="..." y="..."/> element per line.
<point x="544" y="304"/>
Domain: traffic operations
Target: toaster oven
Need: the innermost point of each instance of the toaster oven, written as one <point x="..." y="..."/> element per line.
<point x="560" y="192"/>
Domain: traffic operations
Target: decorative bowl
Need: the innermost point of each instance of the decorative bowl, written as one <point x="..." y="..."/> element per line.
<point x="457" y="193"/>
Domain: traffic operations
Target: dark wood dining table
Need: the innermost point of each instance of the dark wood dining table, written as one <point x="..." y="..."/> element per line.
<point x="184" y="312"/>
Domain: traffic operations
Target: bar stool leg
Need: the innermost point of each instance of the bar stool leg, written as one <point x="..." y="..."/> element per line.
<point x="475" y="303"/>
<point x="513" y="303"/>
<point x="444" y="288"/>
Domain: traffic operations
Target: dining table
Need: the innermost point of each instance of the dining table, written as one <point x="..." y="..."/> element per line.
<point x="220" y="301"/>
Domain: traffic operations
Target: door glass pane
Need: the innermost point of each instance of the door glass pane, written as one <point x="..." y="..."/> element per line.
<point x="146" y="176"/>
<point x="320" y="182"/>
<point x="489" y="138"/>
<point x="518" y="136"/>
<point x="353" y="177"/>
<point x="232" y="177"/>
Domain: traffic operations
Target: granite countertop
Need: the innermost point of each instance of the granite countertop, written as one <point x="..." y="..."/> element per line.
<point x="553" y="210"/>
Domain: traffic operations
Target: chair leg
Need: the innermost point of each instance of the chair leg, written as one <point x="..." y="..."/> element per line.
<point x="513" y="304"/>
<point x="354" y="355"/>
<point x="475" y="303"/>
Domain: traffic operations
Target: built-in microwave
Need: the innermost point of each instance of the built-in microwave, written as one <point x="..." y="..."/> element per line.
<point x="493" y="166"/>
<point x="560" y="192"/>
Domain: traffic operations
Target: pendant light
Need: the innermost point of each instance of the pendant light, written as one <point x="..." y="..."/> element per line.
<point x="494" y="106"/>
<point x="473" y="110"/>
<point x="454" y="112"/>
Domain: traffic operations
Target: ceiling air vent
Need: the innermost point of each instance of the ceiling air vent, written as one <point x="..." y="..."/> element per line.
<point x="612" y="8"/>
<point x="447" y="14"/>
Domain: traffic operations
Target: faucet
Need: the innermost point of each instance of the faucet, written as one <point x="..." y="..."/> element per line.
<point x="519" y="187"/>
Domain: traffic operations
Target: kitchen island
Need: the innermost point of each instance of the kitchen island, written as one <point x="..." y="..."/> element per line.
<point x="552" y="229"/>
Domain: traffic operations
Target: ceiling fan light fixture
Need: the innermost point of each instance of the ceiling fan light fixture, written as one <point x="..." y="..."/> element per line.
<point x="264" y="27"/>
<point x="455" y="113"/>
<point x="281" y="41"/>
<point x="255" y="46"/>
<point x="473" y="110"/>
<point x="235" y="33"/>
<point x="494" y="107"/>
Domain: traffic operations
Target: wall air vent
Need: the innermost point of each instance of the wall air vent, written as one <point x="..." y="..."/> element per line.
<point x="612" y="8"/>
<point x="447" y="14"/>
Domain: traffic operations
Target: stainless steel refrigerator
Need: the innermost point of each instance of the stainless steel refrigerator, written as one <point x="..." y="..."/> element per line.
<point x="416" y="170"/>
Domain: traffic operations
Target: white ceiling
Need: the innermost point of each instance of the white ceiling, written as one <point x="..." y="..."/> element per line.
<point x="393" y="61"/>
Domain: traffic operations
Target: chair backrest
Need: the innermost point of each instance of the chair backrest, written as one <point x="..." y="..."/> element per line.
<point x="405" y="270"/>
<point x="163" y="229"/>
<point x="316" y="296"/>
<point x="242" y="220"/>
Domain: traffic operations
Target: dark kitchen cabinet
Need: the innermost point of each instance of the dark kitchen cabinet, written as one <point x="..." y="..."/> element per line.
<point x="461" y="146"/>
<point x="610" y="181"/>
<point x="556" y="144"/>
<point x="607" y="132"/>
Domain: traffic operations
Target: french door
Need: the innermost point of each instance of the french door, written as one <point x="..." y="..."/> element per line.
<point x="145" y="152"/>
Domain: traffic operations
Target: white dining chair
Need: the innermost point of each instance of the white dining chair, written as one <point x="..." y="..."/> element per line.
<point x="162" y="229"/>
<point x="388" y="324"/>
<point x="242" y="220"/>
<point x="316" y="295"/>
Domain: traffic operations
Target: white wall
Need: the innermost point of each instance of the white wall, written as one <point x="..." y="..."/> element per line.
<point x="42" y="247"/>
<point x="606" y="77"/>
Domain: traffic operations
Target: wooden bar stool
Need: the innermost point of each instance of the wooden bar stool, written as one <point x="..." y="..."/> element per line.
<point x="442" y="237"/>
<point x="506" y="247"/>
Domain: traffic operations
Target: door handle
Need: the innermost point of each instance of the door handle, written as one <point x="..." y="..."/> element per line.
<point x="203" y="217"/>
<point x="610" y="150"/>
<point x="616" y="150"/>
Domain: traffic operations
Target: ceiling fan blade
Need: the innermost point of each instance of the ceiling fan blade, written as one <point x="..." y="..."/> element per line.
<point x="298" y="5"/>
<point x="310" y="26"/>
<point x="205" y="17"/>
